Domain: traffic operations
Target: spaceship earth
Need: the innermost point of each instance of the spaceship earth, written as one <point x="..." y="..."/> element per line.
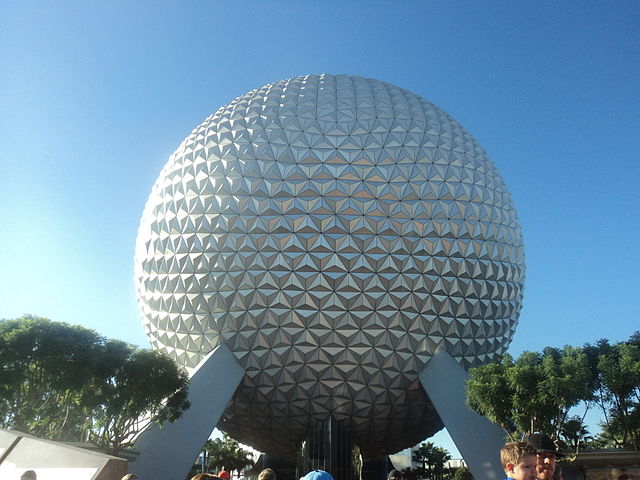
<point x="332" y="231"/>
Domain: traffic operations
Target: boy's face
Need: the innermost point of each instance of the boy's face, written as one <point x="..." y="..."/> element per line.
<point x="525" y="469"/>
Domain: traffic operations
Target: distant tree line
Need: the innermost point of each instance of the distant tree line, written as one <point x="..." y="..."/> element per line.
<point x="64" y="382"/>
<point x="540" y="391"/>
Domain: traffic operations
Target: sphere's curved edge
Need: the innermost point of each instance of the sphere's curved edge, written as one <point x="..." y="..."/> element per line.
<point x="333" y="231"/>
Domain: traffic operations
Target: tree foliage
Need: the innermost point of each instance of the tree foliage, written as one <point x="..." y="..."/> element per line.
<point x="619" y="392"/>
<point x="533" y="393"/>
<point x="66" y="382"/>
<point x="146" y="385"/>
<point x="489" y="393"/>
<point x="226" y="453"/>
<point x="537" y="392"/>
<point x="45" y="370"/>
<point x="574" y="434"/>
<point x="463" y="473"/>
<point x="432" y="460"/>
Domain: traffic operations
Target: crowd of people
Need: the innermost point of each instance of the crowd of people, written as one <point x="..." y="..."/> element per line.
<point x="266" y="474"/>
<point x="533" y="458"/>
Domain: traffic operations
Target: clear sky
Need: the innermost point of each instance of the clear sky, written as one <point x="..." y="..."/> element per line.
<point x="95" y="96"/>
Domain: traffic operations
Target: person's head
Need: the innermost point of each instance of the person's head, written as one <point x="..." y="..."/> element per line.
<point x="267" y="474"/>
<point x="317" y="475"/>
<point x="546" y="453"/>
<point x="205" y="476"/>
<point x="394" y="475"/>
<point x="29" y="475"/>
<point x="519" y="461"/>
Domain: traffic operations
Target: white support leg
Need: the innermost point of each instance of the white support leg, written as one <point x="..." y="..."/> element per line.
<point x="478" y="440"/>
<point x="168" y="452"/>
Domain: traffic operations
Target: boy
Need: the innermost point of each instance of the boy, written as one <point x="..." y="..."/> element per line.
<point x="518" y="461"/>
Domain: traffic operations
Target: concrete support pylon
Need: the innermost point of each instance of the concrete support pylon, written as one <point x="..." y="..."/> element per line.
<point x="478" y="440"/>
<point x="168" y="452"/>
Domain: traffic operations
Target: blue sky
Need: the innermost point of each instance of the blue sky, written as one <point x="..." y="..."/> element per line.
<point x="95" y="96"/>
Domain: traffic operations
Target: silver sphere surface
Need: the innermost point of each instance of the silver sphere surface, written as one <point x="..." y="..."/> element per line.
<point x="333" y="232"/>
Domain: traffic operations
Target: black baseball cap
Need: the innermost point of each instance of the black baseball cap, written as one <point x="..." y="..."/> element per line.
<point x="542" y="443"/>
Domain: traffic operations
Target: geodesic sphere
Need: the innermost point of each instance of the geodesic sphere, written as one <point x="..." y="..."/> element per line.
<point x="332" y="231"/>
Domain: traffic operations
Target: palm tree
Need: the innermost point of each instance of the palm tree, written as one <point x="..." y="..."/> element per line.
<point x="227" y="453"/>
<point x="432" y="460"/>
<point x="440" y="459"/>
<point x="574" y="433"/>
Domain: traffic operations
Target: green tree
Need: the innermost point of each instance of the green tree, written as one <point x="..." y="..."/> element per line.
<point x="45" y="368"/>
<point x="574" y="434"/>
<point x="537" y="392"/>
<point x="619" y="369"/>
<point x="463" y="473"/>
<point x="226" y="453"/>
<point x="66" y="382"/>
<point x="432" y="460"/>
<point x="567" y="381"/>
<point x="534" y="392"/>
<point x="146" y="386"/>
<point x="490" y="393"/>
<point x="440" y="459"/>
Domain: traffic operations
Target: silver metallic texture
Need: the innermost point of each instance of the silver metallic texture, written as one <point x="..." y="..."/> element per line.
<point x="333" y="232"/>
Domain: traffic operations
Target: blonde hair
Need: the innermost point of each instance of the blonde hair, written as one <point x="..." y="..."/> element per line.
<point x="267" y="474"/>
<point x="514" y="452"/>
